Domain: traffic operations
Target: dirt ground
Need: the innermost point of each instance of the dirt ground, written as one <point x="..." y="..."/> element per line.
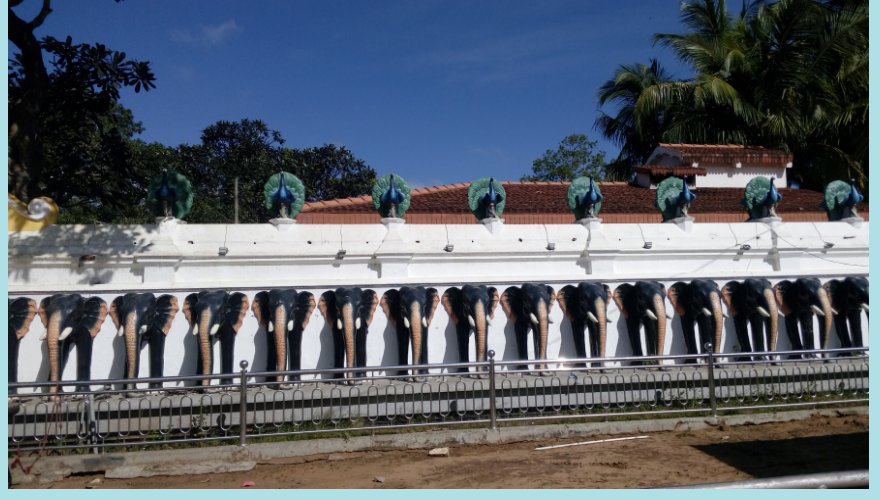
<point x="817" y="444"/>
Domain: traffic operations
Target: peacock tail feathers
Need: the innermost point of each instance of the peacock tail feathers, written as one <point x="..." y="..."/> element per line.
<point x="836" y="194"/>
<point x="381" y="185"/>
<point x="183" y="199"/>
<point x="577" y="190"/>
<point x="477" y="190"/>
<point x="668" y="192"/>
<point x="292" y="183"/>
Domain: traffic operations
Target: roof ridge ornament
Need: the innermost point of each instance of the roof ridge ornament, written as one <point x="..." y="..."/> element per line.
<point x="674" y="199"/>
<point x="391" y="196"/>
<point x="761" y="199"/>
<point x="486" y="198"/>
<point x="841" y="200"/>
<point x="584" y="198"/>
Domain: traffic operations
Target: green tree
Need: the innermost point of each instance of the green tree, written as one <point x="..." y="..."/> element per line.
<point x="66" y="127"/>
<point x="575" y="157"/>
<point x="330" y="171"/>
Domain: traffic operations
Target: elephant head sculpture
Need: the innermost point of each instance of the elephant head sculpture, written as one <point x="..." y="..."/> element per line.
<point x="284" y="314"/>
<point x="529" y="308"/>
<point x="752" y="305"/>
<point x="586" y="306"/>
<point x="71" y="320"/>
<point x="470" y="308"/>
<point x="213" y="314"/>
<point x="410" y="310"/>
<point x="700" y="302"/>
<point x="21" y="314"/>
<point x="349" y="312"/>
<point x="799" y="300"/>
<point x="849" y="297"/>
<point x="142" y="318"/>
<point x="642" y="304"/>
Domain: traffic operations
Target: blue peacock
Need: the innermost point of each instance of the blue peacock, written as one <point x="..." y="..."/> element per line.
<point x="170" y="195"/>
<point x="841" y="199"/>
<point x="584" y="198"/>
<point x="761" y="198"/>
<point x="486" y="198"/>
<point x="284" y="195"/>
<point x="674" y="198"/>
<point x="391" y="196"/>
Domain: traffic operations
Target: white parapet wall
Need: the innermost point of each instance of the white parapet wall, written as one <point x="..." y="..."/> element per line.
<point x="179" y="259"/>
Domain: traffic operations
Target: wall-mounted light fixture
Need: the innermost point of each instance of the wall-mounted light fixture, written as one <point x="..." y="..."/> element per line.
<point x="828" y="244"/>
<point x="340" y="254"/>
<point x="746" y="247"/>
<point x="551" y="246"/>
<point x="647" y="245"/>
<point x="449" y="247"/>
<point x="222" y="251"/>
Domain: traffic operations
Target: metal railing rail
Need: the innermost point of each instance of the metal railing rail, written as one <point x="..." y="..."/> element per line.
<point x="246" y="405"/>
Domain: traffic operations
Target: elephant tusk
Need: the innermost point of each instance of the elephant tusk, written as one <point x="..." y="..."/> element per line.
<point x="707" y="312"/>
<point x="649" y="313"/>
<point x="65" y="333"/>
<point x="405" y="322"/>
<point x="834" y="311"/>
<point x="122" y="330"/>
<point x="816" y="309"/>
<point x="424" y="322"/>
<point x="271" y="327"/>
<point x="143" y="329"/>
<point x="864" y="307"/>
<point x="533" y="318"/>
<point x="357" y="323"/>
<point x="592" y="317"/>
<point x="763" y="312"/>
<point x="339" y="324"/>
<point x="290" y="325"/>
<point x="472" y="321"/>
<point x="214" y="329"/>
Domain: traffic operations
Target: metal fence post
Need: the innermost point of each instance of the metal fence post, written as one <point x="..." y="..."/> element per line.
<point x="242" y="405"/>
<point x="710" y="363"/>
<point x="492" y="422"/>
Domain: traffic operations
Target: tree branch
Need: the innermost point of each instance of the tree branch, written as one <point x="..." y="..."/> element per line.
<point x="45" y="10"/>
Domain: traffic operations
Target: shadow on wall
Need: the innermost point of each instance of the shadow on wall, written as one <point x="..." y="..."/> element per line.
<point x="389" y="354"/>
<point x="451" y="337"/>
<point x="325" y="354"/>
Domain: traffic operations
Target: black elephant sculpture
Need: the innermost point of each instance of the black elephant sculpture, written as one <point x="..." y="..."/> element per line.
<point x="284" y="314"/>
<point x="470" y="308"/>
<point x="71" y="320"/>
<point x="698" y="302"/>
<point x="410" y="310"/>
<point x="529" y="308"/>
<point x="349" y="312"/>
<point x="643" y="305"/>
<point x="586" y="306"/>
<point x="22" y="312"/>
<point x="752" y="306"/>
<point x="142" y="318"/>
<point x="849" y="297"/>
<point x="799" y="301"/>
<point x="212" y="315"/>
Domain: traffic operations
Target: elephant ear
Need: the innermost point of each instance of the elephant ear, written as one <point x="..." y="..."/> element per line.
<point x="189" y="308"/>
<point x="21" y="314"/>
<point x="619" y="293"/>
<point x="166" y="310"/>
<point x="432" y="298"/>
<point x="494" y="299"/>
<point x="550" y="302"/>
<point x="236" y="309"/>
<point x="94" y="314"/>
<point x="390" y="304"/>
<point x="370" y="300"/>
<point x="261" y="308"/>
<point x="563" y="295"/>
<point x="510" y="302"/>
<point x="674" y="294"/>
<point x="327" y="306"/>
<point x="116" y="311"/>
<point x="451" y="302"/>
<point x="727" y="293"/>
<point x="780" y="291"/>
<point x="305" y="305"/>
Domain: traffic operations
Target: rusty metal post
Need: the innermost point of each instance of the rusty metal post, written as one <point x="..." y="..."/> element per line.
<point x="492" y="422"/>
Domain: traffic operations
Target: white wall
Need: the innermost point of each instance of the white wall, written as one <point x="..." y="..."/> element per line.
<point x="182" y="259"/>
<point x="731" y="177"/>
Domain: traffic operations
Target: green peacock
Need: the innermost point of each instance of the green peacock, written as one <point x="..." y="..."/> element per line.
<point x="841" y="199"/>
<point x="284" y="195"/>
<point x="391" y="196"/>
<point x="486" y="198"/>
<point x="674" y="198"/>
<point x="761" y="198"/>
<point x="170" y="195"/>
<point x="584" y="198"/>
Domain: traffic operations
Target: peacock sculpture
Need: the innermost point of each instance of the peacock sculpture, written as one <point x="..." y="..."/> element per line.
<point x="170" y="195"/>
<point x="284" y="195"/>
<point x="486" y="198"/>
<point x="391" y="196"/>
<point x="674" y="198"/>
<point x="841" y="199"/>
<point x="761" y="198"/>
<point x="584" y="198"/>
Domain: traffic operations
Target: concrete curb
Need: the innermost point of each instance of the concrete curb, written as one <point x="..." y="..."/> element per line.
<point x="219" y="459"/>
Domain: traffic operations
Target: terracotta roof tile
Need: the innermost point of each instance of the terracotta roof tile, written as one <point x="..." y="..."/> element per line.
<point x="729" y="154"/>
<point x="670" y="170"/>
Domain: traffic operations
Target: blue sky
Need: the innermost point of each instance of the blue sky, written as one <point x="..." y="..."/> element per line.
<point x="436" y="91"/>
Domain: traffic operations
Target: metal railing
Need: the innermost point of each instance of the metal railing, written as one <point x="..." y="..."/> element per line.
<point x="254" y="406"/>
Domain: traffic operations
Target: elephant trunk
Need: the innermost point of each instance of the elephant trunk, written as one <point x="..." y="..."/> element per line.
<point x="601" y="326"/>
<point x="131" y="346"/>
<point x="205" y="343"/>
<point x="480" y="332"/>
<point x="52" y="333"/>
<point x="825" y="319"/>
<point x="718" y="316"/>
<point x="280" y="327"/>
<point x="415" y="324"/>
<point x="660" y="310"/>
<point x="348" y="333"/>
<point x="773" y="334"/>
<point x="542" y="330"/>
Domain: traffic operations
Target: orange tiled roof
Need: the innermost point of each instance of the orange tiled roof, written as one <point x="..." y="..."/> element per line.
<point x="670" y="170"/>
<point x="729" y="154"/>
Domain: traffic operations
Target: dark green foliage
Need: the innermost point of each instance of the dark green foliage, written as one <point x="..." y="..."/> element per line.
<point x="575" y="157"/>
